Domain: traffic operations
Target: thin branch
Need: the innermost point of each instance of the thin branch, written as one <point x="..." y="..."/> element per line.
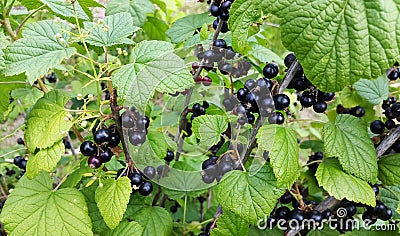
<point x="72" y="147"/>
<point x="9" y="29"/>
<point x="294" y="67"/>
<point x="77" y="134"/>
<point x="26" y="19"/>
<point x="42" y="86"/>
<point x="388" y="142"/>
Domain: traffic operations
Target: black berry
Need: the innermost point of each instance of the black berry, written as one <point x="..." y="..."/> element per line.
<point x="102" y="136"/>
<point x="170" y="156"/>
<point x="94" y="162"/>
<point x="377" y="127"/>
<point x="146" y="188"/>
<point x="88" y="148"/>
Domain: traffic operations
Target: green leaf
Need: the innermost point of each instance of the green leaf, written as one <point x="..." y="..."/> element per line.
<point x="112" y="199"/>
<point x="314" y="145"/>
<point x="350" y="98"/>
<point x="154" y="220"/>
<point x="153" y="66"/>
<point x="27" y="96"/>
<point x="283" y="150"/>
<point x="208" y="128"/>
<point x="33" y="208"/>
<point x="263" y="54"/>
<point x="46" y="121"/>
<point x="389" y="169"/>
<point x="87" y="5"/>
<point x="6" y="88"/>
<point x="31" y="4"/>
<point x="373" y="90"/>
<point x="230" y="224"/>
<point x="158" y="143"/>
<point x="98" y="224"/>
<point x="155" y="28"/>
<point x="341" y="185"/>
<point x="252" y="197"/>
<point x="339" y="42"/>
<point x="45" y="159"/>
<point x="64" y="8"/>
<point x="183" y="28"/>
<point x="348" y="140"/>
<point x="137" y="8"/>
<point x="76" y="176"/>
<point x="120" y="26"/>
<point x="390" y="196"/>
<point x="38" y="50"/>
<point x="126" y="228"/>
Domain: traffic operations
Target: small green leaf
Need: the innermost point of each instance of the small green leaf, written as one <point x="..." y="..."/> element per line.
<point x="158" y="143"/>
<point x="350" y="98"/>
<point x="230" y="224"/>
<point x="339" y="42"/>
<point x="154" y="220"/>
<point x="341" y="185"/>
<point x="348" y="140"/>
<point x="281" y="142"/>
<point x="27" y="96"/>
<point x="75" y="177"/>
<point x="155" y="28"/>
<point x="38" y="50"/>
<point x="46" y="123"/>
<point x="33" y="208"/>
<point x="373" y="90"/>
<point x="114" y="30"/>
<point x="263" y="54"/>
<point x="64" y="8"/>
<point x="45" y="159"/>
<point x="390" y="196"/>
<point x="208" y="128"/>
<point x="183" y="28"/>
<point x="153" y="66"/>
<point x="389" y="169"/>
<point x="314" y="145"/>
<point x="136" y="8"/>
<point x="252" y="197"/>
<point x="112" y="199"/>
<point x="125" y="228"/>
<point x="6" y="88"/>
<point x="87" y="5"/>
<point x="98" y="224"/>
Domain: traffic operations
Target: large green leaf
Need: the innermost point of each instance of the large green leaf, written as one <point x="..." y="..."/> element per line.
<point x="348" y="140"/>
<point x="137" y="8"/>
<point x="230" y="224"/>
<point x="112" y="199"/>
<point x="98" y="224"/>
<point x="341" y="185"/>
<point x="33" y="208"/>
<point x="183" y="28"/>
<point x="208" y="129"/>
<point x="119" y="27"/>
<point x="155" y="28"/>
<point x="338" y="42"/>
<point x="125" y="228"/>
<point x="389" y="169"/>
<point x="154" y="220"/>
<point x="153" y="66"/>
<point x="390" y="196"/>
<point x="252" y="197"/>
<point x="38" y="50"/>
<point x="31" y="4"/>
<point x="281" y="142"/>
<point x="64" y="8"/>
<point x="45" y="159"/>
<point x="46" y="123"/>
<point x="373" y="90"/>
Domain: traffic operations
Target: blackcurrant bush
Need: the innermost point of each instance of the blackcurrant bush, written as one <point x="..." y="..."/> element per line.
<point x="102" y="136"/>
<point x="105" y="155"/>
<point x="377" y="127"/>
<point x="88" y="148"/>
<point x="169" y="156"/>
<point x="146" y="188"/>
<point x="270" y="71"/>
<point x="320" y="107"/>
<point x="94" y="162"/>
<point x="281" y="101"/>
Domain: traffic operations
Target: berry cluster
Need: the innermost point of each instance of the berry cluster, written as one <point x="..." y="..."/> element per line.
<point x="136" y="125"/>
<point x="380" y="211"/>
<point x="197" y="110"/>
<point x="220" y="9"/>
<point x="52" y="78"/>
<point x="214" y="168"/>
<point x="20" y="162"/>
<point x="356" y="111"/>
<point x="313" y="161"/>
<point x="139" y="182"/>
<point x="99" y="152"/>
<point x="392" y="111"/>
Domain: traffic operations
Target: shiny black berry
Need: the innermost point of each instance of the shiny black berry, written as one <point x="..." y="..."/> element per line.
<point x="282" y="213"/>
<point x="276" y="118"/>
<point x="136" y="178"/>
<point x="146" y="188"/>
<point x="220" y="43"/>
<point x="390" y="124"/>
<point x="320" y="107"/>
<point x="137" y="137"/>
<point x="94" y="162"/>
<point x="105" y="155"/>
<point x="281" y="101"/>
<point x="286" y="198"/>
<point x="149" y="172"/>
<point x="307" y="100"/>
<point x="88" y="148"/>
<point x="357" y="111"/>
<point x="102" y="136"/>
<point x="393" y="75"/>
<point x="170" y="156"/>
<point x="377" y="127"/>
<point x="215" y="10"/>
<point x="18" y="160"/>
<point x="114" y="140"/>
<point x="20" y="141"/>
<point x="226" y="6"/>
<point x="270" y="71"/>
<point x="289" y="59"/>
<point x="395" y="109"/>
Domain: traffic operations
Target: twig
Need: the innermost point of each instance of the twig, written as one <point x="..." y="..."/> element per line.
<point x="26" y="19"/>
<point x="217" y="214"/>
<point x="156" y="197"/>
<point x="78" y="135"/>
<point x="296" y="187"/>
<point x="294" y="67"/>
<point x="9" y="29"/>
<point x="42" y="86"/>
<point x="388" y="142"/>
<point x="72" y="147"/>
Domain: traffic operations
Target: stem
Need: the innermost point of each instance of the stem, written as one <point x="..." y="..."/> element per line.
<point x="388" y="142"/>
<point x="42" y="86"/>
<point x="78" y="135"/>
<point x="12" y="133"/>
<point x="156" y="197"/>
<point x="9" y="29"/>
<point x="26" y="19"/>
<point x="294" y="67"/>
<point x="296" y="187"/>
<point x="87" y="58"/>
<point x="72" y="147"/>
<point x="184" y="216"/>
<point x="16" y="150"/>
